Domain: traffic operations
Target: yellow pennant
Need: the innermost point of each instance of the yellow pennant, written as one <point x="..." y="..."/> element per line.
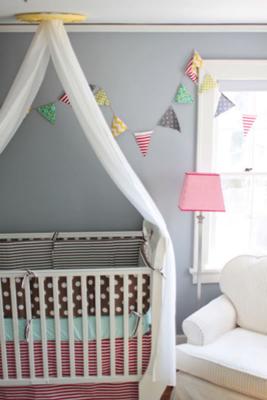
<point x="118" y="126"/>
<point x="208" y="83"/>
<point x="102" y="98"/>
<point x="197" y="62"/>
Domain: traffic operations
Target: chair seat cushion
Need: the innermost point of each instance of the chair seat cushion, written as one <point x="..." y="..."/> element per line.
<point x="237" y="361"/>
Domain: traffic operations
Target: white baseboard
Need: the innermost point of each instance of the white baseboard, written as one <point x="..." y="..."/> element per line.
<point x="180" y="339"/>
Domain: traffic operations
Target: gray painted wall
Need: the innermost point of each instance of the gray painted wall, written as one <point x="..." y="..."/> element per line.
<point x="51" y="180"/>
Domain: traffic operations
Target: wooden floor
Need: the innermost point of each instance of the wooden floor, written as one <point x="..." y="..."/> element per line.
<point x="167" y="393"/>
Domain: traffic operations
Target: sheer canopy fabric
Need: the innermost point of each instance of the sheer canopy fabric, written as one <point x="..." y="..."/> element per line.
<point x="24" y="89"/>
<point x="52" y="39"/>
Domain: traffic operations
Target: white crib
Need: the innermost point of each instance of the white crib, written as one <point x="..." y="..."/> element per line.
<point x="28" y="361"/>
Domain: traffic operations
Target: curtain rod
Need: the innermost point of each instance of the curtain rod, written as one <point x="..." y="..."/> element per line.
<point x="145" y="28"/>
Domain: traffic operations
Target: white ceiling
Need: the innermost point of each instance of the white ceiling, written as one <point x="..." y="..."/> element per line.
<point x="147" y="11"/>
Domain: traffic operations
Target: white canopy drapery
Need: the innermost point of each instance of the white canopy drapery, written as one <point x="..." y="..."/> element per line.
<point x="52" y="39"/>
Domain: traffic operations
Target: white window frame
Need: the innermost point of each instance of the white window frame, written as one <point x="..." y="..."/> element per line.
<point x="224" y="70"/>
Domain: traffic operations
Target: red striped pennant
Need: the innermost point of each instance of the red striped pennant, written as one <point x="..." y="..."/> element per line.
<point x="248" y="121"/>
<point x="143" y="141"/>
<point x="190" y="71"/>
<point x="64" y="99"/>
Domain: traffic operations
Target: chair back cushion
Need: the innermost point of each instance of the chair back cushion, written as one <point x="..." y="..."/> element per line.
<point x="244" y="282"/>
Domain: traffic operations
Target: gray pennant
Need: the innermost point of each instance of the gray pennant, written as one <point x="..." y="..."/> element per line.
<point x="94" y="88"/>
<point x="224" y="104"/>
<point x="169" y="120"/>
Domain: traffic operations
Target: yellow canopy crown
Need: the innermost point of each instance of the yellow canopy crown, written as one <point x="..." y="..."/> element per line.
<point x="47" y="16"/>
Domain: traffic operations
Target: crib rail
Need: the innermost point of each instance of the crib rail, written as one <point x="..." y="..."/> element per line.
<point x="93" y="364"/>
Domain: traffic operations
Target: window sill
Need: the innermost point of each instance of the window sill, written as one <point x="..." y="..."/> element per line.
<point x="208" y="276"/>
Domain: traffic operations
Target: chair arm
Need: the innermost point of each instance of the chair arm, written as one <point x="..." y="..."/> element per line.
<point x="210" y="322"/>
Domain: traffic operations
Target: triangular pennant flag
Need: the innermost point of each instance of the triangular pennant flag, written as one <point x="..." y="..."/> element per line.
<point x="169" y="120"/>
<point x="183" y="96"/>
<point x="118" y="126"/>
<point x="190" y="71"/>
<point x="94" y="88"/>
<point x="102" y="98"/>
<point x="143" y="141"/>
<point x="208" y="83"/>
<point x="48" y="111"/>
<point x="64" y="99"/>
<point x="224" y="104"/>
<point x="197" y="62"/>
<point x="193" y="66"/>
<point x="248" y="121"/>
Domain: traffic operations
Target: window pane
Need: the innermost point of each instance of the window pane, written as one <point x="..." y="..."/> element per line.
<point x="233" y="150"/>
<point x="242" y="228"/>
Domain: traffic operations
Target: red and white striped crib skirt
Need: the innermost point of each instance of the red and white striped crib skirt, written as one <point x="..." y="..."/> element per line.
<point x="84" y="391"/>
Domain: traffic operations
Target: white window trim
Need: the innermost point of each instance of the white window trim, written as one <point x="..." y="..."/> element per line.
<point x="224" y="70"/>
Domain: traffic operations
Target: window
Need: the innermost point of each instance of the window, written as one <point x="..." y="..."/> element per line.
<point x="240" y="159"/>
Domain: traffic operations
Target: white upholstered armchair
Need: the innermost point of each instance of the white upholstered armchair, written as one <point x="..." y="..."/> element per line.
<point x="226" y="352"/>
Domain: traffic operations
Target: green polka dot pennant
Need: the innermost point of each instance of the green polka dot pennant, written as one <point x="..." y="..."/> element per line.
<point x="48" y="111"/>
<point x="183" y="96"/>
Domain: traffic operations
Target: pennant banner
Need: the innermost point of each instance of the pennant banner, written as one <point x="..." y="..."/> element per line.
<point x="208" y="83"/>
<point x="169" y="120"/>
<point x="183" y="96"/>
<point x="143" y="141"/>
<point x="102" y="98"/>
<point x="224" y="104"/>
<point x="248" y="121"/>
<point x="118" y="126"/>
<point x="48" y="111"/>
<point x="64" y="99"/>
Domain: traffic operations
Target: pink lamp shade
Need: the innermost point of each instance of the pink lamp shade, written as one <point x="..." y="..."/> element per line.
<point x="201" y="192"/>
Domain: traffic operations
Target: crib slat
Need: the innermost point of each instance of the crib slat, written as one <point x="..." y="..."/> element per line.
<point x="98" y="325"/>
<point x="112" y="325"/>
<point x="57" y="326"/>
<point x="29" y="319"/>
<point x="43" y="325"/>
<point x="140" y="329"/>
<point x="126" y="322"/>
<point x="15" y="325"/>
<point x="85" y="325"/>
<point x="3" y="336"/>
<point x="70" y="326"/>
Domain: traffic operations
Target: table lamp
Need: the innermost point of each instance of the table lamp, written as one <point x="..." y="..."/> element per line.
<point x="201" y="192"/>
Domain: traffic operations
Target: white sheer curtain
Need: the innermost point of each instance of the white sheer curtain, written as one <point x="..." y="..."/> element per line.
<point x="24" y="89"/>
<point x="162" y="367"/>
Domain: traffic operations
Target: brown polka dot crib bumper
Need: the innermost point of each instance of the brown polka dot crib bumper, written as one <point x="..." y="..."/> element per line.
<point x="76" y="296"/>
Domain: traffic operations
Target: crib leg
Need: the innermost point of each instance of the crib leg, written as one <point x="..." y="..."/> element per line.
<point x="167" y="394"/>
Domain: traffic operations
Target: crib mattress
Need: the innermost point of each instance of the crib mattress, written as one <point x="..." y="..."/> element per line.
<point x="78" y="327"/>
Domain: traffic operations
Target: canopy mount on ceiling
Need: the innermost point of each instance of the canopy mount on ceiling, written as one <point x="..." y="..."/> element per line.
<point x="37" y="18"/>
